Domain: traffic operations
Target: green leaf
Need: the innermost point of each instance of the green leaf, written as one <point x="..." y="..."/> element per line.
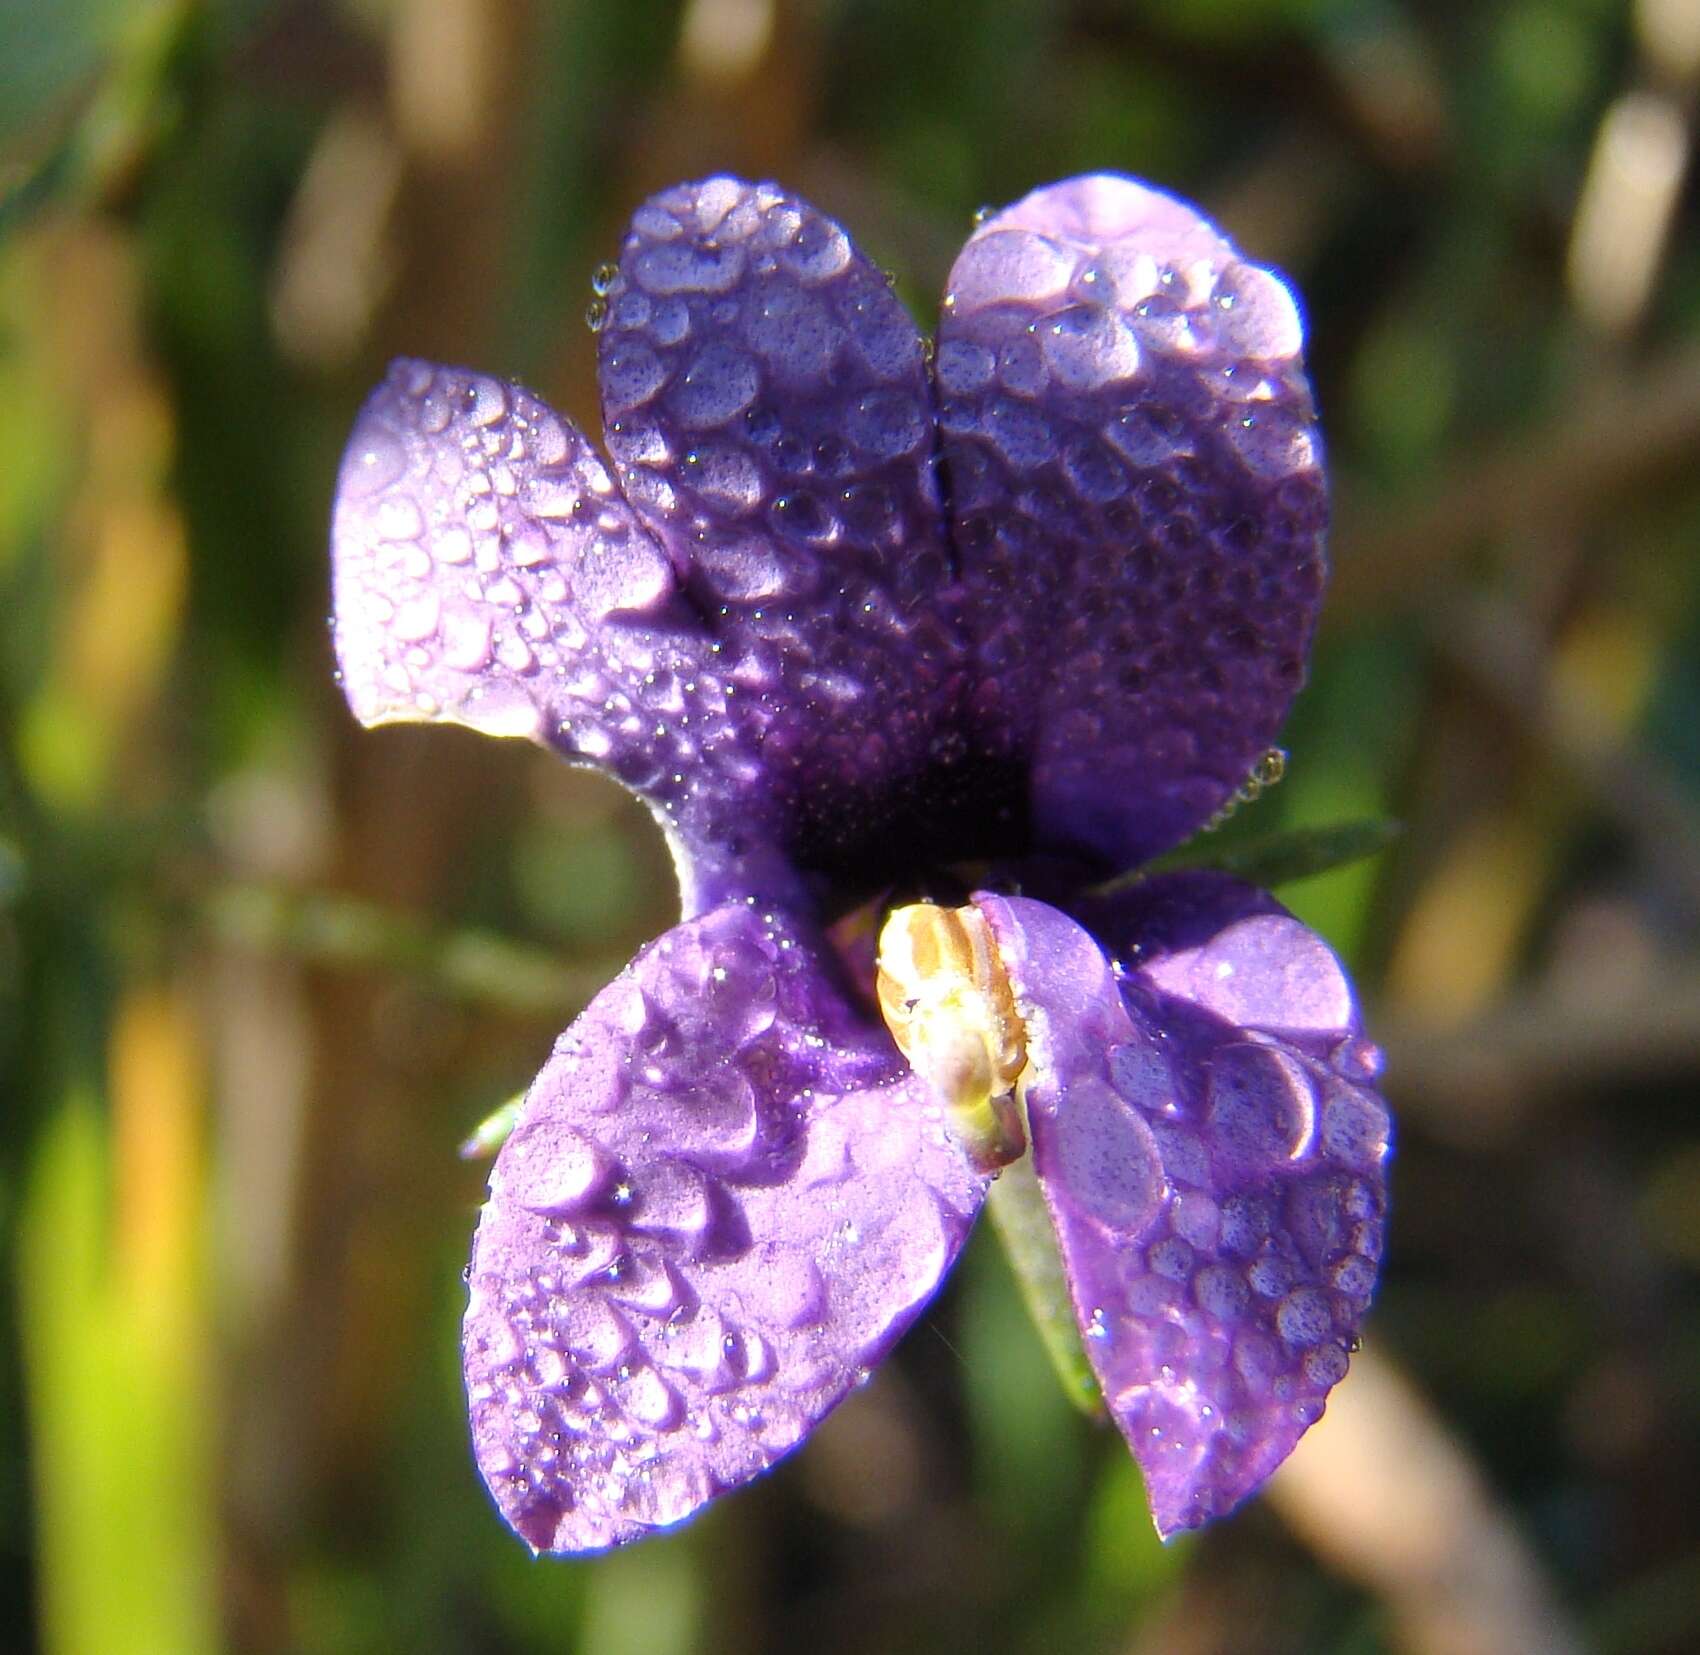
<point x="1273" y="858"/>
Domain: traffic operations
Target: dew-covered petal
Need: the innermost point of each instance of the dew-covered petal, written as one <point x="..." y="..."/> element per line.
<point x="487" y="571"/>
<point x="769" y="411"/>
<point x="724" y="1201"/>
<point x="1214" y="1159"/>
<point x="1138" y="505"/>
<point x="1233" y="950"/>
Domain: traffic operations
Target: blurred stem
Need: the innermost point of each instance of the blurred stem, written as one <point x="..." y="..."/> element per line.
<point x="344" y="931"/>
<point x="110" y="1293"/>
<point x="1386" y="1494"/>
<point x="1477" y="1083"/>
<point x="647" y="1601"/>
<point x="1609" y="436"/>
<point x="1494" y="644"/>
<point x="1023" y="1224"/>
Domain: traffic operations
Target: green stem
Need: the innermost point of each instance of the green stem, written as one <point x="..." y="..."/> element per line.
<point x="1023" y="1223"/>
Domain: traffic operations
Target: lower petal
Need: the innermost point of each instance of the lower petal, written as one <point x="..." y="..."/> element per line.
<point x="725" y="1200"/>
<point x="1213" y="1154"/>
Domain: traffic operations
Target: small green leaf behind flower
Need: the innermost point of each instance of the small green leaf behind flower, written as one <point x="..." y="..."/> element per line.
<point x="492" y="1132"/>
<point x="1272" y="859"/>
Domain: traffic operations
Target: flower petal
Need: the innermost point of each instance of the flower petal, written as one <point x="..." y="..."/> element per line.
<point x="769" y="410"/>
<point x="1213" y="1153"/>
<point x="725" y="1200"/>
<point x="1138" y="505"/>
<point x="487" y="571"/>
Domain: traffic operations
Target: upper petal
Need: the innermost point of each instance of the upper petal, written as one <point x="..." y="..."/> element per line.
<point x="1138" y="505"/>
<point x="1213" y="1153"/>
<point x="770" y="413"/>
<point x="724" y="1201"/>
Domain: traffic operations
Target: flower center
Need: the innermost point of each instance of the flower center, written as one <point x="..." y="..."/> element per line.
<point x="945" y="996"/>
<point x="865" y="840"/>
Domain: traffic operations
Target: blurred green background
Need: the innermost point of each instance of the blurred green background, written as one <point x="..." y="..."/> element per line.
<point x="260" y="972"/>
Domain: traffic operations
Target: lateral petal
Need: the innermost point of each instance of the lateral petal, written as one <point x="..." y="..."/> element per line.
<point x="488" y="571"/>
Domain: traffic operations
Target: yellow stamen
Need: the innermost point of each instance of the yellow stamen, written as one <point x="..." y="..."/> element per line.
<point x="945" y="996"/>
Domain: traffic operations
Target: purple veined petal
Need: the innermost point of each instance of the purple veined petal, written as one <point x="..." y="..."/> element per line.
<point x="1214" y="1158"/>
<point x="1138" y="505"/>
<point x="725" y="1200"/>
<point x="487" y="571"/>
<point x="770" y="413"/>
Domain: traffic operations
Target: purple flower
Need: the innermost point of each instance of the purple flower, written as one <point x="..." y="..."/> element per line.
<point x="935" y="646"/>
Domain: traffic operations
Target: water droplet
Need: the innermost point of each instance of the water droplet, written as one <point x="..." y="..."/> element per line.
<point x="1354" y="1276"/>
<point x="398" y="518"/>
<point x="603" y="278"/>
<point x="596" y="314"/>
<point x="1358" y="1059"/>
<point x="466" y="642"/>
<point x="648" y="1398"/>
<point x="804" y="515"/>
<point x="1270" y="768"/>
<point x="1261" y="1105"/>
<point x="1355" y="1127"/>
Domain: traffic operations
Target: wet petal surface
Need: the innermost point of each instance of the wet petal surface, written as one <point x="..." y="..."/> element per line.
<point x="1214" y="1159"/>
<point x="769" y="411"/>
<point x="487" y="571"/>
<point x="1138" y="506"/>
<point x="725" y="1200"/>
